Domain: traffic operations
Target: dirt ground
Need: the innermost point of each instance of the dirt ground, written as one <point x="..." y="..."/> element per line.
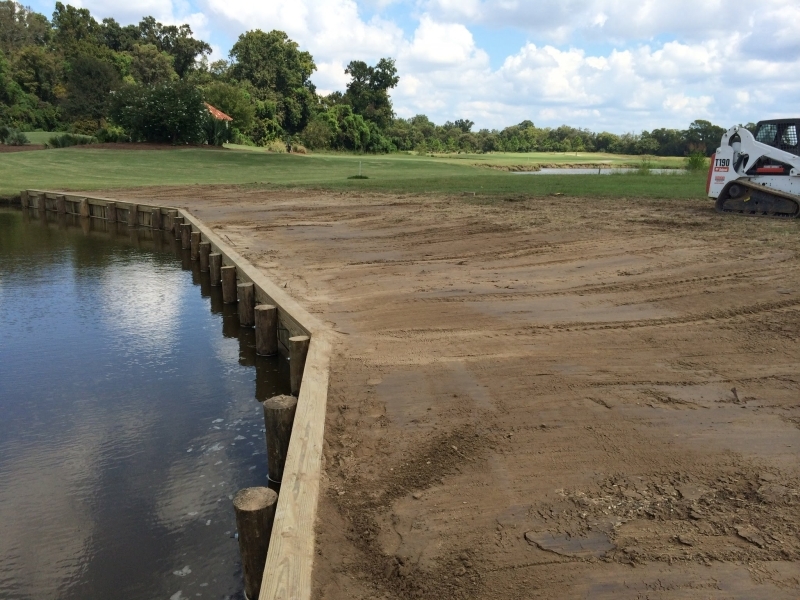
<point x="547" y="398"/>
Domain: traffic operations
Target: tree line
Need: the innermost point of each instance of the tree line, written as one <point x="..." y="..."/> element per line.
<point x="150" y="82"/>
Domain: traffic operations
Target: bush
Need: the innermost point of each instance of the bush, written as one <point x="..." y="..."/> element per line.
<point x="11" y="136"/>
<point x="299" y="149"/>
<point x="276" y="146"/>
<point x="696" y="161"/>
<point x="318" y="134"/>
<point x="65" y="140"/>
<point x="237" y="137"/>
<point x="111" y="134"/>
<point x="217" y="132"/>
<point x="644" y="166"/>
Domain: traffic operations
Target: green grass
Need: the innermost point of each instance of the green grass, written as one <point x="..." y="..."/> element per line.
<point x="85" y="168"/>
<point x="561" y="158"/>
<point x="39" y="138"/>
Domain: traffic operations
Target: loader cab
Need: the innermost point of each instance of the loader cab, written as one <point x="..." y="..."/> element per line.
<point x="780" y="134"/>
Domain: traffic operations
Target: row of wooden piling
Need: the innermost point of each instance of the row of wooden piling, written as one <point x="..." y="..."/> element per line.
<point x="255" y="508"/>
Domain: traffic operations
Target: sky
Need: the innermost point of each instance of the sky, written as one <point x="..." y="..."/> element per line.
<point x="613" y="65"/>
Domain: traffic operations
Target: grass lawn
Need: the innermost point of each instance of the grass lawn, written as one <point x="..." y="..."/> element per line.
<point x="85" y="168"/>
<point x="560" y="158"/>
<point x="39" y="138"/>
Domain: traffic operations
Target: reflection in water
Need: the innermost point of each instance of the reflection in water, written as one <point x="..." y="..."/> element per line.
<point x="127" y="422"/>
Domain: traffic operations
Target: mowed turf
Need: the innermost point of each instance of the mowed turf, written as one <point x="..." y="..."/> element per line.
<point x="84" y="168"/>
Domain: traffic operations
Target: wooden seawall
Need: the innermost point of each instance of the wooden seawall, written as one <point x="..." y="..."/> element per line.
<point x="288" y="570"/>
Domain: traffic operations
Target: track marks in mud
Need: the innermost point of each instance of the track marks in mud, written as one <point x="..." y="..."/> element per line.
<point x="365" y="503"/>
<point x="712" y="315"/>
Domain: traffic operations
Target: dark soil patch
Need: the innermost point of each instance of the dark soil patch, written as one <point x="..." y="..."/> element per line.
<point x="143" y="146"/>
<point x="26" y="148"/>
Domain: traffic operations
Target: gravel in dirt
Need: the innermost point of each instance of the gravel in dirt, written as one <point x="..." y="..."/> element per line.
<point x="535" y="399"/>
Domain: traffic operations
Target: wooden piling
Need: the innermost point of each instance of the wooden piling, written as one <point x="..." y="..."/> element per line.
<point x="84" y="210"/>
<point x="278" y="419"/>
<point x="205" y="251"/>
<point x="194" y="242"/>
<point x="228" y="275"/>
<point x="155" y="220"/>
<point x="61" y="204"/>
<point x="133" y="215"/>
<point x="168" y="222"/>
<point x="23" y="198"/>
<point x="186" y="235"/>
<point x="247" y="304"/>
<point x="176" y="227"/>
<point x="266" y="329"/>
<point x="298" y="349"/>
<point x="214" y="265"/>
<point x="111" y="212"/>
<point x="255" y="513"/>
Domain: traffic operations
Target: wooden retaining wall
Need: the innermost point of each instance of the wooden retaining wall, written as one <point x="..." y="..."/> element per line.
<point x="290" y="561"/>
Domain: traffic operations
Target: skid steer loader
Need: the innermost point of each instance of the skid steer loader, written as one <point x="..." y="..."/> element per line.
<point x="758" y="174"/>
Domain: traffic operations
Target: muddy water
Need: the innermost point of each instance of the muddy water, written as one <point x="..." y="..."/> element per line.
<point x="128" y="416"/>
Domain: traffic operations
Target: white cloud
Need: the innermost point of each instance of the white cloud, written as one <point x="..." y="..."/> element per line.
<point x="332" y="30"/>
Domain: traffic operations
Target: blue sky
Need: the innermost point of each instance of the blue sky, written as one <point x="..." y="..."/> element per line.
<point x="615" y="65"/>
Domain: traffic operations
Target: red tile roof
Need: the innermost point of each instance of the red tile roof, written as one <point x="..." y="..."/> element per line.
<point x="217" y="113"/>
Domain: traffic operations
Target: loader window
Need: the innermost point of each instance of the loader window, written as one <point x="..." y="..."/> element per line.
<point x="766" y="133"/>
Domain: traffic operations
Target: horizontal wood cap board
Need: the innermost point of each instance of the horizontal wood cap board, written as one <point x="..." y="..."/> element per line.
<point x="288" y="570"/>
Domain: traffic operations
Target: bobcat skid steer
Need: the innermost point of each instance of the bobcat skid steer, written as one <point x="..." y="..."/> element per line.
<point x="758" y="175"/>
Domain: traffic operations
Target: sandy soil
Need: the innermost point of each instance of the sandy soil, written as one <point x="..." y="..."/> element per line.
<point x="550" y="398"/>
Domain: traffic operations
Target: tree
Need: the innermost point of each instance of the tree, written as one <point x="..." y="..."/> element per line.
<point x="464" y="125"/>
<point x="21" y="109"/>
<point x="75" y="30"/>
<point x="234" y="101"/>
<point x="39" y="72"/>
<point x="119" y="38"/>
<point x="149" y="65"/>
<point x="368" y="90"/>
<point x="89" y="83"/>
<point x="175" y="41"/>
<point x="170" y="112"/>
<point x="21" y="27"/>
<point x="279" y="72"/>
<point x="703" y="136"/>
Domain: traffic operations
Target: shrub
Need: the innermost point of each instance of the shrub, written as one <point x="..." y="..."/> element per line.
<point x="11" y="136"/>
<point x="65" y="140"/>
<point x="299" y="149"/>
<point x="237" y="137"/>
<point x="276" y="146"/>
<point x="217" y="132"/>
<point x="644" y="166"/>
<point x="318" y="134"/>
<point x="111" y="134"/>
<point x="696" y="161"/>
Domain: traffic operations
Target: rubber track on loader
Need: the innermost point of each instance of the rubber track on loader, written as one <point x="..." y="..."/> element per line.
<point x="759" y="201"/>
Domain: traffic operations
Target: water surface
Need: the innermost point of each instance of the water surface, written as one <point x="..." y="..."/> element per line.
<point x="598" y="171"/>
<point x="128" y="415"/>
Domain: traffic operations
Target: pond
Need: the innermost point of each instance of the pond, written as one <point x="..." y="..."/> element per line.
<point x="598" y="171"/>
<point x="129" y="415"/>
